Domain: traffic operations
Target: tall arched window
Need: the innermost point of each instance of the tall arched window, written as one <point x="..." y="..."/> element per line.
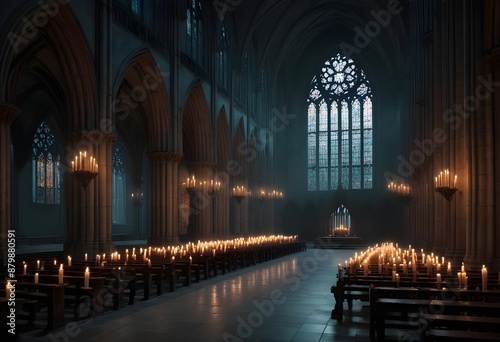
<point x="119" y="185"/>
<point x="194" y="31"/>
<point x="340" y="128"/>
<point x="46" y="167"/>
<point x="222" y="57"/>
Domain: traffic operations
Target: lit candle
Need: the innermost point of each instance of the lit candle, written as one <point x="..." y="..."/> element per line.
<point x="397" y="280"/>
<point x="484" y="276"/>
<point x="86" y="257"/>
<point x="38" y="264"/>
<point x="36" y="278"/>
<point x="448" y="269"/>
<point x="69" y="261"/>
<point x="25" y="269"/>
<point x="8" y="288"/>
<point x="55" y="262"/>
<point x="438" y="280"/>
<point x="86" y="278"/>
<point x="459" y="276"/>
<point x="462" y="269"/>
<point x="149" y="262"/>
<point x="61" y="274"/>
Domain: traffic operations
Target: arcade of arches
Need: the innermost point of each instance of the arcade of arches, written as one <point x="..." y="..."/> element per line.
<point x="324" y="101"/>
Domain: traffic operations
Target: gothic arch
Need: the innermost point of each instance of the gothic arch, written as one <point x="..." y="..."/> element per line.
<point x="63" y="40"/>
<point x="196" y="126"/>
<point x="140" y="95"/>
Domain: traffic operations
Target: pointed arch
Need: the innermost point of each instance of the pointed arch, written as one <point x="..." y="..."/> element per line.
<point x="196" y="126"/>
<point x="222" y="139"/>
<point x="140" y="94"/>
<point x="240" y="145"/>
<point x="63" y="39"/>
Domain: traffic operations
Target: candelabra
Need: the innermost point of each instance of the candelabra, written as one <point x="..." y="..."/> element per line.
<point x="239" y="193"/>
<point x="84" y="168"/>
<point x="271" y="194"/>
<point x="137" y="198"/>
<point x="400" y="190"/>
<point x="445" y="186"/>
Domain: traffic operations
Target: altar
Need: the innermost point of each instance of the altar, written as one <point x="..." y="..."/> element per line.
<point x="339" y="232"/>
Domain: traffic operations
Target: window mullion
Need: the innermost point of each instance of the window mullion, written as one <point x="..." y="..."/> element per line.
<point x="349" y="109"/>
<point x="362" y="142"/>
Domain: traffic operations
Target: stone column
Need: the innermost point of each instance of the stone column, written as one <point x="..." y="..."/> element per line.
<point x="88" y="210"/>
<point x="201" y="203"/>
<point x="164" y="198"/>
<point x="8" y="114"/>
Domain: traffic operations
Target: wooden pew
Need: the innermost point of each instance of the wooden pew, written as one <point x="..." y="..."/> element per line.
<point x="406" y="301"/>
<point x="51" y="295"/>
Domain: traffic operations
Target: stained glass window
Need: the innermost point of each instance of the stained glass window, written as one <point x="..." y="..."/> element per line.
<point x="222" y="56"/>
<point x="340" y="146"/>
<point x="135" y="5"/>
<point x="46" y="167"/>
<point x="119" y="185"/>
<point x="194" y="31"/>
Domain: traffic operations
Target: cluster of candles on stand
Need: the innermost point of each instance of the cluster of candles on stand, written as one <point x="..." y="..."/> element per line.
<point x="399" y="189"/>
<point x="84" y="163"/>
<point x="211" y="186"/>
<point x="270" y="194"/>
<point x="406" y="261"/>
<point x="341" y="231"/>
<point x="240" y="191"/>
<point x="443" y="180"/>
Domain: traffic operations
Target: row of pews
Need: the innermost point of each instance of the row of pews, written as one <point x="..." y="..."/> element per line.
<point x="425" y="302"/>
<point x="50" y="291"/>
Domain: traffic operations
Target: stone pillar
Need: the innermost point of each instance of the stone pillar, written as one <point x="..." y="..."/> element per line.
<point x="201" y="203"/>
<point x="8" y="114"/>
<point x="88" y="210"/>
<point x="164" y="198"/>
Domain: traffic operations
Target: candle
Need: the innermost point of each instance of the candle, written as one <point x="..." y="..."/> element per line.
<point x="38" y="264"/>
<point x="459" y="276"/>
<point x="86" y="278"/>
<point x="438" y="280"/>
<point x="61" y="274"/>
<point x="36" y="278"/>
<point x="86" y="257"/>
<point x="397" y="280"/>
<point x="25" y="269"/>
<point x="55" y="262"/>
<point x="448" y="269"/>
<point x="8" y="288"/>
<point x="462" y="269"/>
<point x="484" y="276"/>
<point x="69" y="261"/>
<point x="149" y="262"/>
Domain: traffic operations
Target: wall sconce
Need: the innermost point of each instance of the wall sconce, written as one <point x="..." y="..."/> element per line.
<point x="445" y="185"/>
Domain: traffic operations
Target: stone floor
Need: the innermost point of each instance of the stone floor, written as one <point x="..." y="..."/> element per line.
<point x="287" y="299"/>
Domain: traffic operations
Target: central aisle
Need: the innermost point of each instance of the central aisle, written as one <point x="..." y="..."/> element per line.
<point x="286" y="299"/>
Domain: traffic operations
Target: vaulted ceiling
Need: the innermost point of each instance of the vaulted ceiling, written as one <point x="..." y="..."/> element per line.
<point x="294" y="37"/>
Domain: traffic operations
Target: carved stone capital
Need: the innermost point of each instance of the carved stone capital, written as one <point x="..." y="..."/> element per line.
<point x="8" y="113"/>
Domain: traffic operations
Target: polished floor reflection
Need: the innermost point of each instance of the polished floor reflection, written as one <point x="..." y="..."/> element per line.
<point x="287" y="299"/>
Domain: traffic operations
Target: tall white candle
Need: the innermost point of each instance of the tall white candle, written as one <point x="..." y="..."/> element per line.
<point x="25" y="269"/>
<point x="438" y="280"/>
<point x="86" y="257"/>
<point x="484" y="276"/>
<point x="69" y="261"/>
<point x="38" y="264"/>
<point x="87" y="277"/>
<point x="36" y="278"/>
<point x="8" y="288"/>
<point x="61" y="274"/>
